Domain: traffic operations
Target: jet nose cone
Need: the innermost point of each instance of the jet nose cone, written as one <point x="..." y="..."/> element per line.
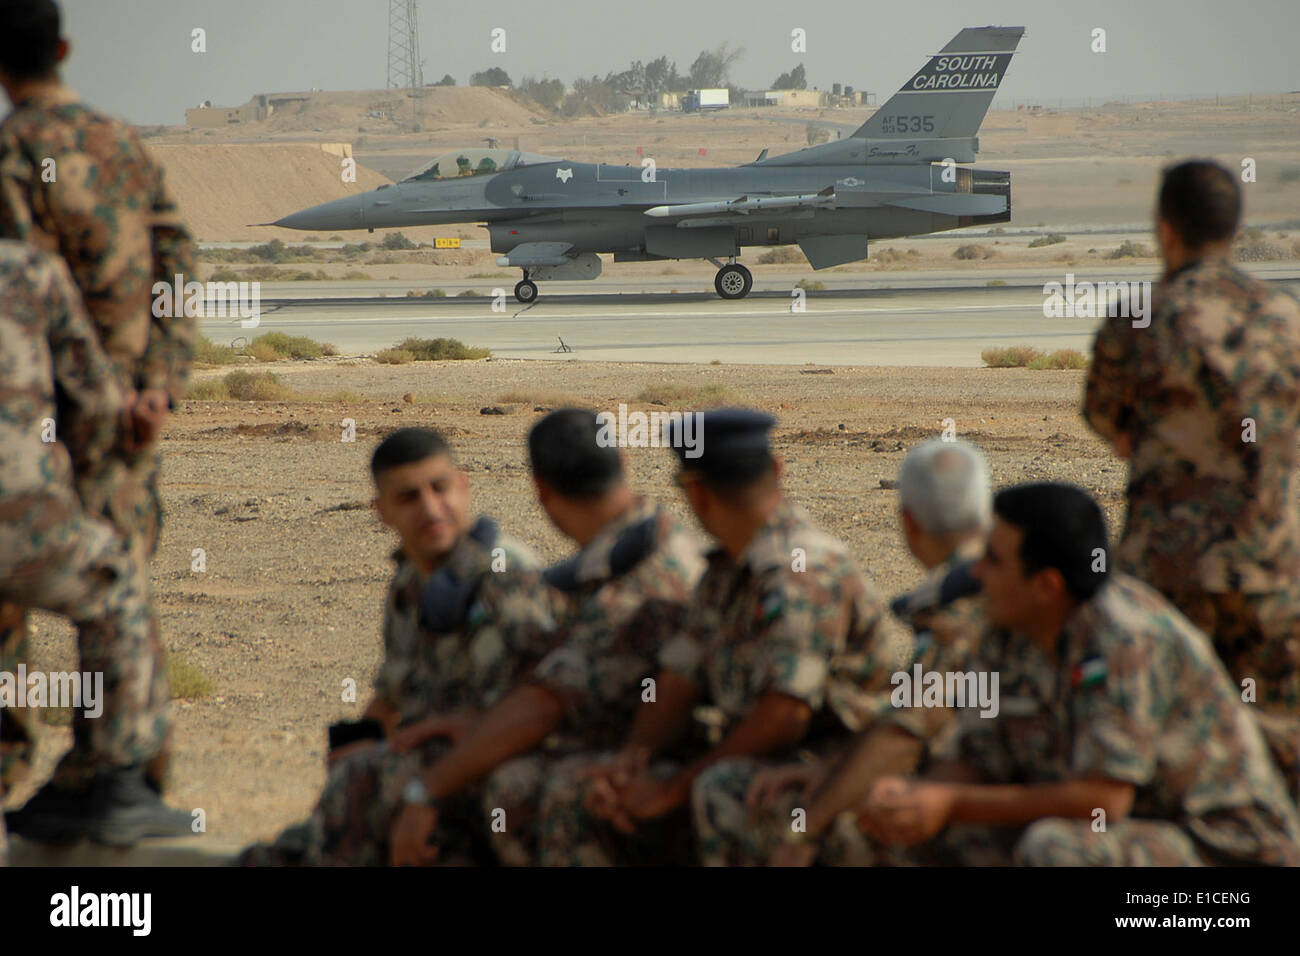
<point x="338" y="214"/>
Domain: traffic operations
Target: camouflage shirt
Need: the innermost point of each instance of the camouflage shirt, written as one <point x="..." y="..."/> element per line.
<point x="1210" y="395"/>
<point x="505" y="624"/>
<point x="55" y="380"/>
<point x="1136" y="693"/>
<point x="623" y="610"/>
<point x="795" y="617"/>
<point x="80" y="184"/>
<point x="946" y="614"/>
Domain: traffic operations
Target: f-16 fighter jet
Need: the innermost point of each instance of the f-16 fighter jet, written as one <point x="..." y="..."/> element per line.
<point x="902" y="173"/>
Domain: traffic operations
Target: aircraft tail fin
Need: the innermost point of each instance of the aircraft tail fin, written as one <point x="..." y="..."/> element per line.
<point x="949" y="96"/>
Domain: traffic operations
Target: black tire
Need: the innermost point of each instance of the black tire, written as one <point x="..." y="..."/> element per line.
<point x="733" y="282"/>
<point x="526" y="291"/>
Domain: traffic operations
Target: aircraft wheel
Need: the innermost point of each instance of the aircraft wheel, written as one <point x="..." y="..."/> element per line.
<point x="526" y="290"/>
<point x="733" y="281"/>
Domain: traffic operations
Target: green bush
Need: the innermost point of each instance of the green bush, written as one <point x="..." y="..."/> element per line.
<point x="395" y="240"/>
<point x="1051" y="239"/>
<point x="289" y="346"/>
<point x="395" y="356"/>
<point x="1129" y="250"/>
<point x="255" y="387"/>
<point x="433" y="350"/>
<point x="207" y="352"/>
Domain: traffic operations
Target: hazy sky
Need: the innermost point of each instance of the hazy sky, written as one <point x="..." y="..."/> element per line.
<point x="133" y="57"/>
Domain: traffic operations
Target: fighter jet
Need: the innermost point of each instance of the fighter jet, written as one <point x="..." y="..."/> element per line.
<point x="902" y="173"/>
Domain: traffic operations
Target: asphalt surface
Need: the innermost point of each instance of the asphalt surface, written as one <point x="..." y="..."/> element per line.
<point x="937" y="319"/>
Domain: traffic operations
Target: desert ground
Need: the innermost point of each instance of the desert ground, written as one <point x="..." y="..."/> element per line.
<point x="288" y="607"/>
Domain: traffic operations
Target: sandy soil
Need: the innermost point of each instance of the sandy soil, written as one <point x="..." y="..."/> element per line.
<point x="289" y="605"/>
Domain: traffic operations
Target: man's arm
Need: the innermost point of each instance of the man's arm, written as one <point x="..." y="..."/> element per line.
<point x="516" y="724"/>
<point x="165" y="365"/>
<point x="90" y="401"/>
<point x="882" y="749"/>
<point x="1019" y="805"/>
<point x="1108" y="392"/>
<point x="660" y="724"/>
<point x="776" y="723"/>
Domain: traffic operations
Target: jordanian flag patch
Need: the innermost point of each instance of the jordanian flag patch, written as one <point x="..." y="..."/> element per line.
<point x="1090" y="672"/>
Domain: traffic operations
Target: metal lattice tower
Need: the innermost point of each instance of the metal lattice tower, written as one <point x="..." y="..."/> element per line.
<point x="404" y="71"/>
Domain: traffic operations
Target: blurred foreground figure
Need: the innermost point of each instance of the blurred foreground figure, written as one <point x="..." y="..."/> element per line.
<point x="79" y="184"/>
<point x="62" y="411"/>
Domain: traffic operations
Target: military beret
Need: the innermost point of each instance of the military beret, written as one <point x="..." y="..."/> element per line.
<point x="717" y="435"/>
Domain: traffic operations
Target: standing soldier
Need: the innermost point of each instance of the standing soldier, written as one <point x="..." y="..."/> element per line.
<point x="1205" y="404"/>
<point x="62" y="411"/>
<point x="79" y="184"/>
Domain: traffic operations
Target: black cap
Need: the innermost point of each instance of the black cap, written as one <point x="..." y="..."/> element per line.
<point x="720" y="435"/>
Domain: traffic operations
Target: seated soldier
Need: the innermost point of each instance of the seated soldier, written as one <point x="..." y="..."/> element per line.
<point x="945" y="508"/>
<point x="629" y="586"/>
<point x="786" y="637"/>
<point x="1120" y="738"/>
<point x="467" y="613"/>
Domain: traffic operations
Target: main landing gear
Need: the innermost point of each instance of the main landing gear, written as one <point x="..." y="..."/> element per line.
<point x="525" y="289"/>
<point x="733" y="280"/>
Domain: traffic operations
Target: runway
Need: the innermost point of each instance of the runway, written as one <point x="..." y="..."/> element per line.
<point x="920" y="320"/>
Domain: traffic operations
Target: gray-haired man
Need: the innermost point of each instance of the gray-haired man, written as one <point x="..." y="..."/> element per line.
<point x="945" y="509"/>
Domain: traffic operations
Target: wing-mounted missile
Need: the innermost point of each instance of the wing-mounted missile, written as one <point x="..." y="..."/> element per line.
<point x="745" y="205"/>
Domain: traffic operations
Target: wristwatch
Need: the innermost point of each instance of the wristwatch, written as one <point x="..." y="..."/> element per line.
<point x="416" y="794"/>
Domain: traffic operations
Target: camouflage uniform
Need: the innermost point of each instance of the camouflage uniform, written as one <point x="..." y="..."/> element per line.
<point x="795" y="617"/>
<point x="1135" y="693"/>
<point x="79" y="184"/>
<point x="624" y="610"/>
<point x="53" y="555"/>
<point x="491" y="634"/>
<point x="946" y="615"/>
<point x="1212" y="518"/>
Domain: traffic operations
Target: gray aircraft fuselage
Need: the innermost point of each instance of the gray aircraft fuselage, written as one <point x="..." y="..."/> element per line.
<point x="900" y="174"/>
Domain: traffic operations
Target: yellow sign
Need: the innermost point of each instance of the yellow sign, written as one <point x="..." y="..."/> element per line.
<point x="446" y="243"/>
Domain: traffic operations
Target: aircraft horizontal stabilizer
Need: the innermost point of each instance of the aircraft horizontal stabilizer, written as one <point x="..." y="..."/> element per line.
<point x="955" y="204"/>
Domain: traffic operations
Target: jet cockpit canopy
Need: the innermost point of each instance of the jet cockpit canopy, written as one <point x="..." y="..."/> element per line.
<point x="475" y="162"/>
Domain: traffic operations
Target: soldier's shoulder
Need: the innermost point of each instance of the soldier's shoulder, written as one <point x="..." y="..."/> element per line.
<point x="32" y="267"/>
<point x="519" y="555"/>
<point x="1128" y="614"/>
<point x="678" y="550"/>
<point x="792" y="543"/>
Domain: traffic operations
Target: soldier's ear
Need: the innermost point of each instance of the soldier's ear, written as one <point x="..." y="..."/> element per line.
<point x="61" y="52"/>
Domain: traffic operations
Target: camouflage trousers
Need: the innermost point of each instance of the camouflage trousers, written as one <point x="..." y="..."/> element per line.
<point x="727" y="833"/>
<point x="128" y="497"/>
<point x="354" y="816"/>
<point x="54" y="557"/>
<point x="1257" y="636"/>
<point x="568" y="834"/>
<point x="512" y="796"/>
